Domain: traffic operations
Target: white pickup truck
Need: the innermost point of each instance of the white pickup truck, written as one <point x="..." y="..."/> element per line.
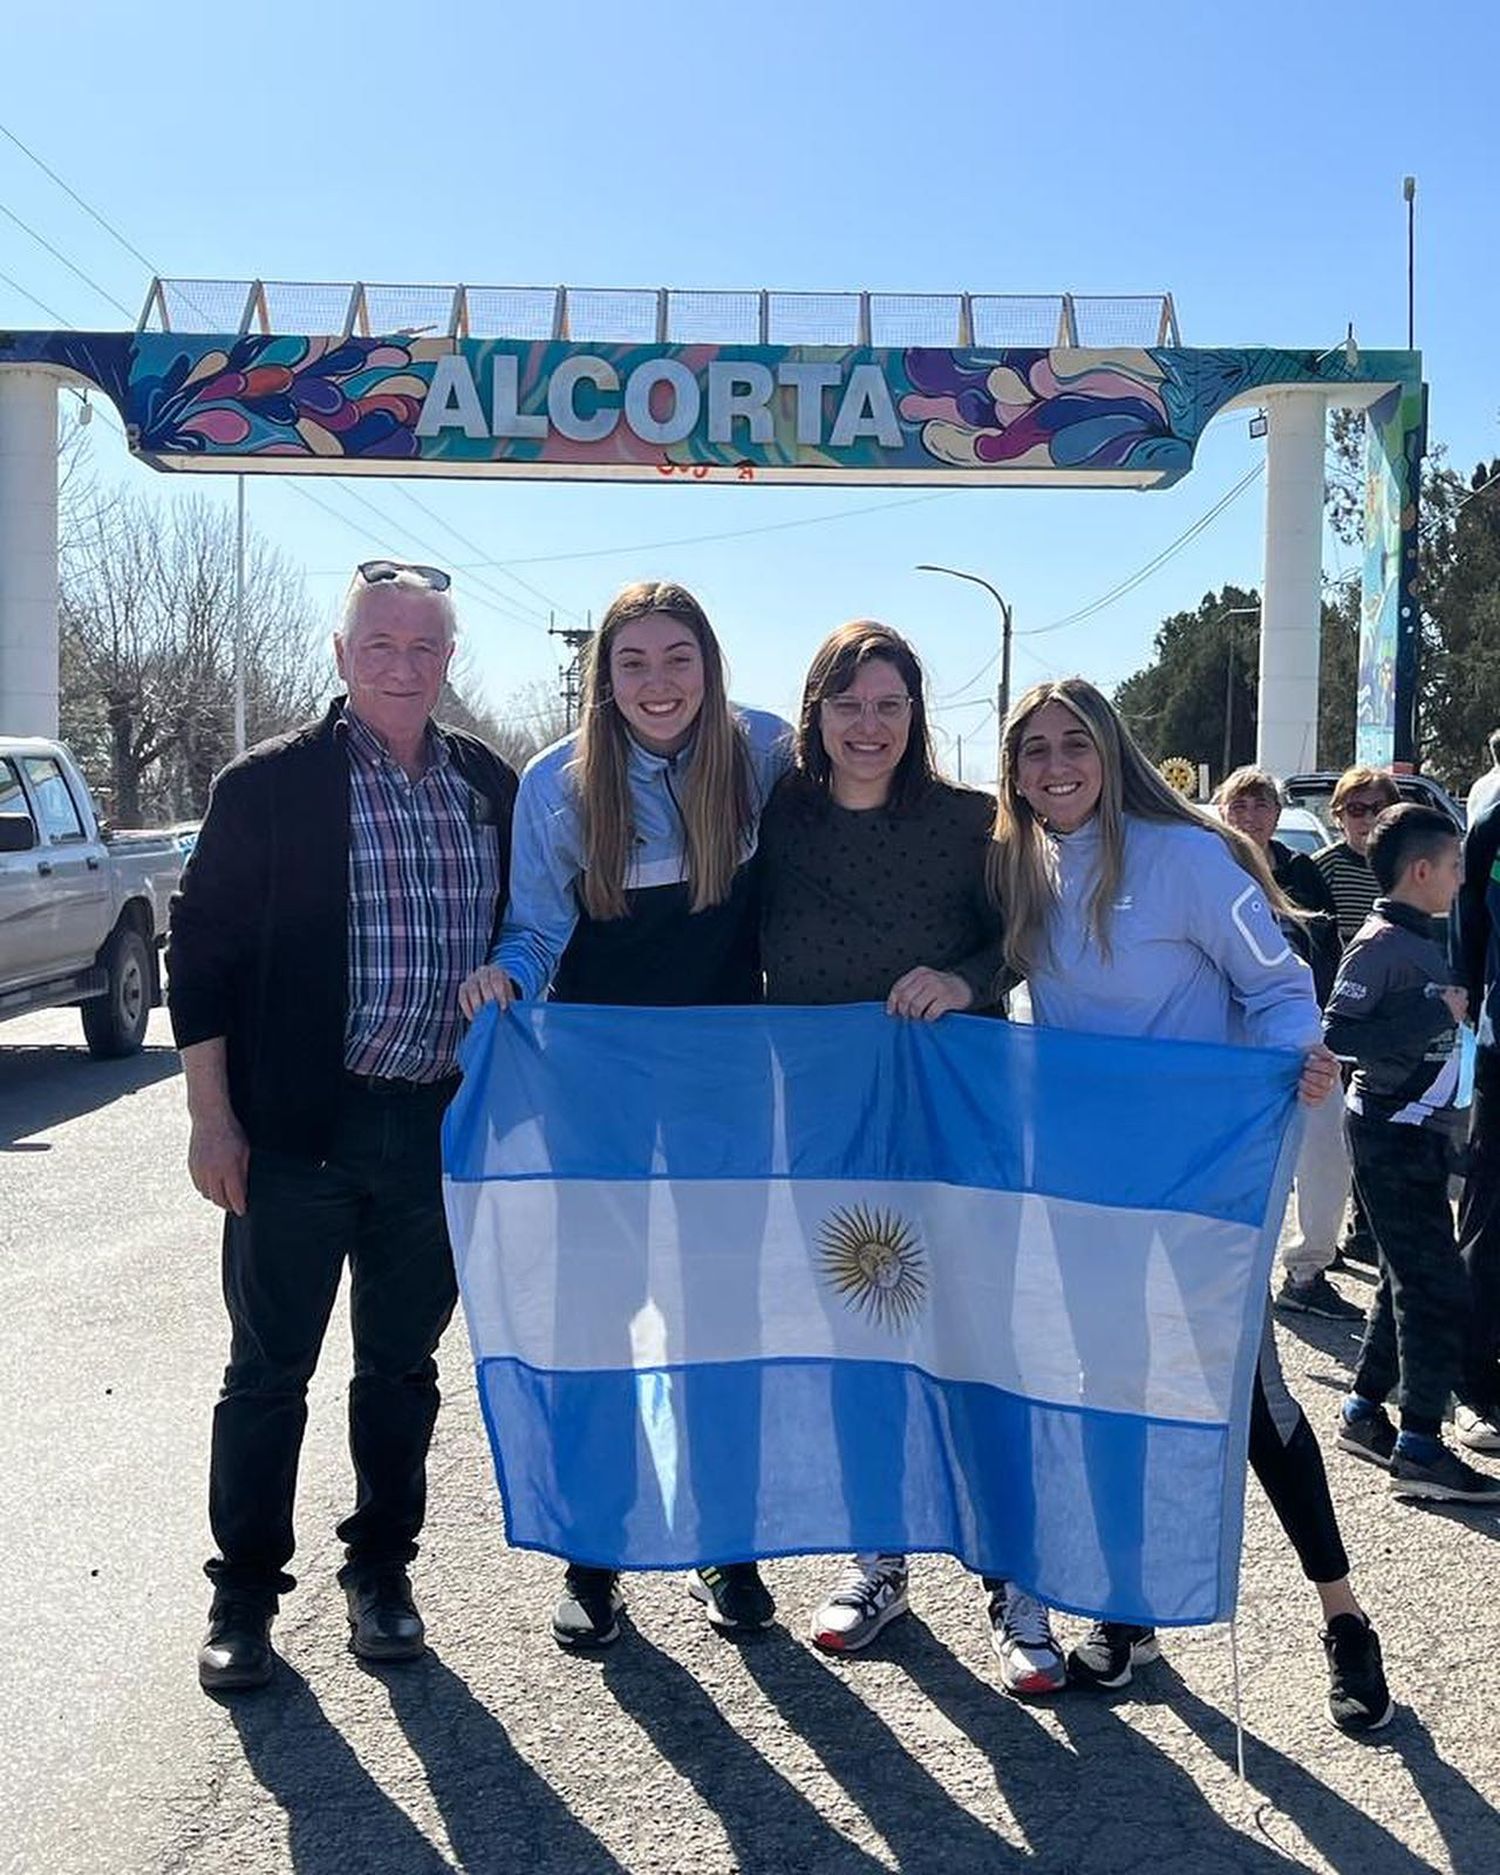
<point x="82" y="918"/>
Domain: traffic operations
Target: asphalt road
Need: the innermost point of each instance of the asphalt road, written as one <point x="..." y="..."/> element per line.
<point x="678" y="1751"/>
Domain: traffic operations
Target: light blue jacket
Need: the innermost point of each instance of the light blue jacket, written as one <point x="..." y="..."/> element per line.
<point x="1195" y="953"/>
<point x="547" y="856"/>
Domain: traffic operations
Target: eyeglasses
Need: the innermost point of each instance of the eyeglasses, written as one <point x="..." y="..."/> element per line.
<point x="372" y="572"/>
<point x="850" y="710"/>
<point x="1362" y="810"/>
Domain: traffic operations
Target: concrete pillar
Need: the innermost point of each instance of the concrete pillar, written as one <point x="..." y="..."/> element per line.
<point x="1292" y="598"/>
<point x="28" y="551"/>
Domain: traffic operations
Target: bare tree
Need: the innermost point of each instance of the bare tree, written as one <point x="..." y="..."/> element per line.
<point x="147" y="615"/>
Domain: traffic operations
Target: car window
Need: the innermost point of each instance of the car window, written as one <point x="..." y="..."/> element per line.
<point x="55" y="804"/>
<point x="12" y="800"/>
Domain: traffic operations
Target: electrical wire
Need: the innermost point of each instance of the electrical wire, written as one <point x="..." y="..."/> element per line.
<point x="57" y="254"/>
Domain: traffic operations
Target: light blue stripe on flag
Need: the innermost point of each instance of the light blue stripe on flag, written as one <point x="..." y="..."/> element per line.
<point x="755" y="1282"/>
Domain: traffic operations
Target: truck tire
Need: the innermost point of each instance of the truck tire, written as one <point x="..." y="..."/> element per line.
<point x="115" y="1024"/>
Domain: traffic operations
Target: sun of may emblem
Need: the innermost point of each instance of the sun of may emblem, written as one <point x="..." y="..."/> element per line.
<point x="875" y="1260"/>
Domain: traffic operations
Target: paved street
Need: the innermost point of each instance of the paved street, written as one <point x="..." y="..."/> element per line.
<point x="678" y="1751"/>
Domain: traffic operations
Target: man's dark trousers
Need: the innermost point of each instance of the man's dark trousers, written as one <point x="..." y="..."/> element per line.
<point x="1414" y="1334"/>
<point x="377" y="1199"/>
<point x="1479" y="1234"/>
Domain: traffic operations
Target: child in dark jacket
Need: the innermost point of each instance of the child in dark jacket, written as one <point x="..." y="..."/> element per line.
<point x="1394" y="1013"/>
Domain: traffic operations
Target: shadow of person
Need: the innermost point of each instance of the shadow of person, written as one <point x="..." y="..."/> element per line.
<point x="42" y="1087"/>
<point x="1338" y="1829"/>
<point x="922" y="1823"/>
<point x="338" y="1817"/>
<point x="499" y="1813"/>
<point x="1098" y="1801"/>
<point x="771" y="1826"/>
<point x="1467" y="1822"/>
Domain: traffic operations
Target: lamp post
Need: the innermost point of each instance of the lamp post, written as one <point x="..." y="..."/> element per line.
<point x="1002" y="691"/>
<point x="1234" y="611"/>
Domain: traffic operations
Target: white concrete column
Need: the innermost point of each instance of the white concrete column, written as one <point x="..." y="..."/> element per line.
<point x="1292" y="598"/>
<point x="28" y="551"/>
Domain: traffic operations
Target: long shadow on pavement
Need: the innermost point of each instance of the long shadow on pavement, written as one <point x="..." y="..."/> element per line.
<point x="1338" y="1829"/>
<point x="338" y="1816"/>
<point x="925" y="1827"/>
<point x="1100" y="1805"/>
<point x="1466" y="1821"/>
<point x="42" y="1087"/>
<point x="772" y="1827"/>
<point x="500" y="1814"/>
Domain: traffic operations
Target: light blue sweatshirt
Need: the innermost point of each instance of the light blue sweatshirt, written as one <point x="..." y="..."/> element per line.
<point x="1195" y="954"/>
<point x="547" y="857"/>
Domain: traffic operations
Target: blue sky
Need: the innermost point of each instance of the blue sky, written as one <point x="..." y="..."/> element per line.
<point x="1247" y="160"/>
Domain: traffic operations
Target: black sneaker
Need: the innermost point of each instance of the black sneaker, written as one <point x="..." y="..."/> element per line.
<point x="236" y="1653"/>
<point x="1443" y="1478"/>
<point x="1106" y="1655"/>
<point x="1370" y="1436"/>
<point x="588" y="1611"/>
<point x="1358" y="1698"/>
<point x="735" y="1598"/>
<point x="1317" y="1296"/>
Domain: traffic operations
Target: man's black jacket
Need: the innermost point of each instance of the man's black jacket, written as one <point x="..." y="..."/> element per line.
<point x="259" y="944"/>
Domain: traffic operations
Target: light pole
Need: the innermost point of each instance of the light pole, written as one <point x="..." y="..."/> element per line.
<point x="239" y="616"/>
<point x="1409" y="196"/>
<point x="1002" y="691"/>
<point x="1234" y="611"/>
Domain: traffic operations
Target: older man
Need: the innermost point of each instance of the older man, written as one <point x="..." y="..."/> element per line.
<point x="347" y="878"/>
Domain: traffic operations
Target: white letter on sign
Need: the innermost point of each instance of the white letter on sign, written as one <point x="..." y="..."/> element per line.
<point x="562" y="410"/>
<point x="809" y="381"/>
<point x="867" y="410"/>
<point x="739" y="390"/>
<point x="686" y="401"/>
<point x="505" y="419"/>
<point x="453" y="402"/>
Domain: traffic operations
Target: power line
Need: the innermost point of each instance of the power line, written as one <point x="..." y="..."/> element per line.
<point x="547" y="600"/>
<point x="57" y="254"/>
<point x="73" y="194"/>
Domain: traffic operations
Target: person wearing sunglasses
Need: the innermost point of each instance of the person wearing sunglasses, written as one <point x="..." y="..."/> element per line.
<point x="1359" y="795"/>
<point x="348" y="876"/>
<point x="873" y="889"/>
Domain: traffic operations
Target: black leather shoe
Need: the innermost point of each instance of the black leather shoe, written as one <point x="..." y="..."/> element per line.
<point x="236" y="1652"/>
<point x="383" y="1619"/>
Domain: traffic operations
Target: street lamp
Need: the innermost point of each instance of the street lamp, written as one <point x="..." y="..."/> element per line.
<point x="1002" y="693"/>
<point x="1234" y="611"/>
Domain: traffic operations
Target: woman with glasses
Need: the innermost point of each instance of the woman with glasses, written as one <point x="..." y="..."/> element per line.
<point x="873" y="891"/>
<point x="1129" y="912"/>
<point x="1359" y="795"/>
<point x="631" y="883"/>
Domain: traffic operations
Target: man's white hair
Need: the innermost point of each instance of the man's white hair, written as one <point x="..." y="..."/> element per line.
<point x="403" y="580"/>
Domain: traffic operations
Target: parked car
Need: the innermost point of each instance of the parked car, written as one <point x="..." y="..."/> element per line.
<point x="1315" y="791"/>
<point x="1301" y="830"/>
<point x="82" y="918"/>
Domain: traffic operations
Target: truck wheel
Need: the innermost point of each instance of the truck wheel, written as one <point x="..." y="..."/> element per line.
<point x="115" y="1024"/>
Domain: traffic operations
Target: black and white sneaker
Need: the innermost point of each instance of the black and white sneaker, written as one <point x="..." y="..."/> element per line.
<point x="1316" y="1296"/>
<point x="1105" y="1658"/>
<point x="1021" y="1634"/>
<point x="865" y="1601"/>
<point x="1368" y="1435"/>
<point x="1442" y="1478"/>
<point x="1358" y="1698"/>
<point x="588" y="1611"/>
<point x="734" y="1598"/>
<point x="1477" y="1428"/>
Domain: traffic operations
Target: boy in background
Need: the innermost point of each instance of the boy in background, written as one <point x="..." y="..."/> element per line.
<point x="1394" y="1013"/>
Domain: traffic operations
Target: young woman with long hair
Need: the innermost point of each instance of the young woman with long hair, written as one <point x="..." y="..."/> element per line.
<point x="1131" y="912"/>
<point x="873" y="886"/>
<point x="631" y="883"/>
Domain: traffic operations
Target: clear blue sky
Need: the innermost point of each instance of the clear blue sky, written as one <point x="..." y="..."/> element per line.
<point x="1248" y="159"/>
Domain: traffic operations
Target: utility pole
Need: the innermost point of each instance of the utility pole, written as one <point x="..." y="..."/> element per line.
<point x="1002" y="691"/>
<point x="570" y="675"/>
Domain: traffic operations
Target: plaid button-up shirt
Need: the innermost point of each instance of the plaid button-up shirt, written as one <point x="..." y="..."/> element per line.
<point x="424" y="871"/>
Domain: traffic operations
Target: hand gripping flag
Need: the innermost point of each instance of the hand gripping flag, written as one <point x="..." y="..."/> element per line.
<point x="755" y="1282"/>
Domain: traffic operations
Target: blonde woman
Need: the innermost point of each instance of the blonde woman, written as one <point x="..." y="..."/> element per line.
<point x="630" y="883"/>
<point x="1130" y="912"/>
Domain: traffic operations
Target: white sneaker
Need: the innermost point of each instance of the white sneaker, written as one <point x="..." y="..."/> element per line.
<point x="1021" y="1633"/>
<point x="864" y="1602"/>
<point x="1478" y="1431"/>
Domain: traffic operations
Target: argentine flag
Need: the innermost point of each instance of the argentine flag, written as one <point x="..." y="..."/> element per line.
<point x="761" y="1281"/>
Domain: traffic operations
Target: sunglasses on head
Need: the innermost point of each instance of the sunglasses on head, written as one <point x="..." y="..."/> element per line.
<point x="372" y="572"/>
